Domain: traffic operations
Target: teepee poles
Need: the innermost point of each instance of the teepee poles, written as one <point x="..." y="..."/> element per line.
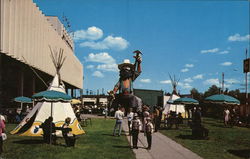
<point x="58" y="60"/>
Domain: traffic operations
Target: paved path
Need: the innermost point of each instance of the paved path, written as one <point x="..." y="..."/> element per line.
<point x="162" y="147"/>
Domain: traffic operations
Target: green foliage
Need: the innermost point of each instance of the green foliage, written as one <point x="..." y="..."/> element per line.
<point x="223" y="143"/>
<point x="196" y="95"/>
<point x="211" y="91"/>
<point x="97" y="143"/>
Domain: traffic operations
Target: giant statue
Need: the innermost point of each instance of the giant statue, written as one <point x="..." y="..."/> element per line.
<point x="128" y="73"/>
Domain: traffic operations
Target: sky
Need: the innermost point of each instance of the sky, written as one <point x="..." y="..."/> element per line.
<point x="195" y="41"/>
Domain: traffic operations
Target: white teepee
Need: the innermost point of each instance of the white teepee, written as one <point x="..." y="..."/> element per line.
<point x="168" y="103"/>
<point x="29" y="126"/>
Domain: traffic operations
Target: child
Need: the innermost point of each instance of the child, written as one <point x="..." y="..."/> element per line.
<point x="69" y="138"/>
<point x="2" y="129"/>
<point x="130" y="116"/>
<point x="149" y="131"/>
<point x="136" y="123"/>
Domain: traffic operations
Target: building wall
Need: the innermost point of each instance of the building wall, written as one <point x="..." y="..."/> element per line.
<point x="150" y="97"/>
<point x="25" y="33"/>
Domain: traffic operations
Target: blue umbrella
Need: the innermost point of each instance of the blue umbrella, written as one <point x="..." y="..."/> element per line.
<point x="22" y="100"/>
<point x="185" y="101"/>
<point x="222" y="99"/>
<point x="51" y="96"/>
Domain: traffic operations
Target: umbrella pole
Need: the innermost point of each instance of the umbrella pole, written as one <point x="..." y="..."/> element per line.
<point x="50" y="141"/>
<point x="21" y="106"/>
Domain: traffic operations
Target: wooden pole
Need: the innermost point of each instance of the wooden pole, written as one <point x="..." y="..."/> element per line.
<point x="246" y="110"/>
<point x="222" y="83"/>
<point x="50" y="141"/>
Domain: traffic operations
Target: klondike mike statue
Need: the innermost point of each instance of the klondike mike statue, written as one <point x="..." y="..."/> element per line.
<point x="128" y="73"/>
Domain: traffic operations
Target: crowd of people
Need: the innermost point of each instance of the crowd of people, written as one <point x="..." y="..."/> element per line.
<point x="146" y="122"/>
<point x="232" y="118"/>
<point x="15" y="115"/>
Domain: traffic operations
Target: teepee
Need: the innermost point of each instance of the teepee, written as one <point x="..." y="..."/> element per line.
<point x="169" y="106"/>
<point x="29" y="126"/>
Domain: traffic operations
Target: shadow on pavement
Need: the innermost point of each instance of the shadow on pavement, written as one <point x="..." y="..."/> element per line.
<point x="241" y="153"/>
<point x="121" y="146"/>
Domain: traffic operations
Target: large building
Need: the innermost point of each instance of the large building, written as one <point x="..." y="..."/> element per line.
<point x="25" y="57"/>
<point x="150" y="97"/>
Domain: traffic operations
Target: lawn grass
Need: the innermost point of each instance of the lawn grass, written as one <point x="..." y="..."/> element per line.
<point x="97" y="143"/>
<point x="223" y="143"/>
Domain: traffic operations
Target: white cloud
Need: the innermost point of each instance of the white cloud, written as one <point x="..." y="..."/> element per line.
<point x="90" y="66"/>
<point x="110" y="42"/>
<point x="108" y="63"/>
<point x="145" y="80"/>
<point x="224" y="52"/>
<point x="238" y="37"/>
<point x="92" y="33"/>
<point x="199" y="76"/>
<point x="189" y="65"/>
<point x="212" y="81"/>
<point x="108" y="67"/>
<point x="189" y="80"/>
<point x="98" y="74"/>
<point x="210" y="51"/>
<point x="185" y="85"/>
<point x="102" y="57"/>
<point x="226" y="63"/>
<point x="185" y="70"/>
<point x="166" y="82"/>
<point x="232" y="81"/>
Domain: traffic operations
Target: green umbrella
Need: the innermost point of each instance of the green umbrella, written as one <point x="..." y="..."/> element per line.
<point x="51" y="96"/>
<point x="222" y="99"/>
<point x="22" y="100"/>
<point x="185" y="101"/>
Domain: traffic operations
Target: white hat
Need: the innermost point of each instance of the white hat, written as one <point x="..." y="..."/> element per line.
<point x="4" y="136"/>
<point x="126" y="63"/>
<point x="2" y="117"/>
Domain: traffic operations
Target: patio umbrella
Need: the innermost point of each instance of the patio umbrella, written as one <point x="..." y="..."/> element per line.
<point x="51" y="96"/>
<point x="185" y="101"/>
<point x="22" y="100"/>
<point x="222" y="99"/>
<point x="75" y="101"/>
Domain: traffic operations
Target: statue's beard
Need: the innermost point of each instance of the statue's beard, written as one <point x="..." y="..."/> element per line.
<point x="125" y="74"/>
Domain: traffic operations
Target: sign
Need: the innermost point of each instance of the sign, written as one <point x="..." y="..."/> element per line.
<point x="246" y="65"/>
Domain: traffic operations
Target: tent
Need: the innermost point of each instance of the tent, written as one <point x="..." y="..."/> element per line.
<point x="169" y="105"/>
<point x="29" y="126"/>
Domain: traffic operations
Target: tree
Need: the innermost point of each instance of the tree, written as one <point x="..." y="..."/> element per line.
<point x="234" y="93"/>
<point x="196" y="95"/>
<point x="212" y="91"/>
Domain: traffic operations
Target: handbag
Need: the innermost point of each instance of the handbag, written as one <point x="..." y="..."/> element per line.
<point x="4" y="136"/>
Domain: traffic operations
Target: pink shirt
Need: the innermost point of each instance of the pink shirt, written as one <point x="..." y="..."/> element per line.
<point x="2" y="126"/>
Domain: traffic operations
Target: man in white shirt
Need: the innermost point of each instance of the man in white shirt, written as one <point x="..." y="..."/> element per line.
<point x="119" y="114"/>
<point x="130" y="116"/>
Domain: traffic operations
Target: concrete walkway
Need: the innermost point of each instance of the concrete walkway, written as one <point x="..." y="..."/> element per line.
<point x="162" y="147"/>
